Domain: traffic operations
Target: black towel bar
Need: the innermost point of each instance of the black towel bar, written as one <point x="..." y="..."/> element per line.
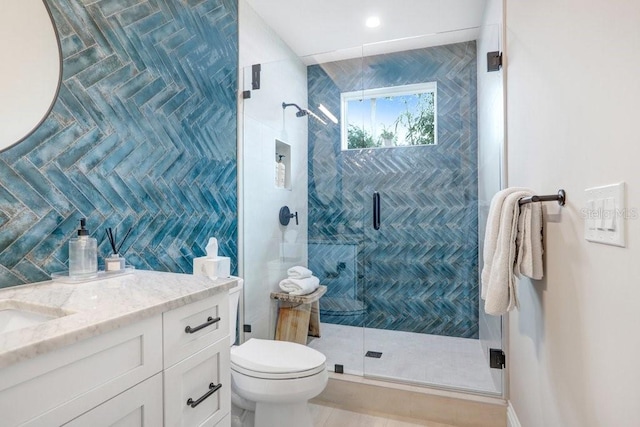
<point x="561" y="198"/>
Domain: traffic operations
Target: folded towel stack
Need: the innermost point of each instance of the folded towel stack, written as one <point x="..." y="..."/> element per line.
<point x="301" y="281"/>
<point x="513" y="245"/>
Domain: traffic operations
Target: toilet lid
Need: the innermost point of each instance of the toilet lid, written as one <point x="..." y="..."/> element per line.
<point x="276" y="357"/>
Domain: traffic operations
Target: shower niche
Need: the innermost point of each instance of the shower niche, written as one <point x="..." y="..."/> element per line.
<point x="282" y="168"/>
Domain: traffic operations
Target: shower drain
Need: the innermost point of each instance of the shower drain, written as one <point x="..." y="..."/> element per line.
<point x="374" y="354"/>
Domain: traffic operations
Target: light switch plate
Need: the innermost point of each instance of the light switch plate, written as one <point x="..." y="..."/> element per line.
<point x="604" y="215"/>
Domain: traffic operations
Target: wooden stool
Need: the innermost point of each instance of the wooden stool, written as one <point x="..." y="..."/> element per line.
<point x="298" y="315"/>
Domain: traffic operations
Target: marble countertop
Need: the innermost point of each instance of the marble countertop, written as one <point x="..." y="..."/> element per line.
<point x="92" y="308"/>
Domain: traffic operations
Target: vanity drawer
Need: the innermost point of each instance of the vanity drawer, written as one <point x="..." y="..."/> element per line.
<point x="56" y="387"/>
<point x="203" y="380"/>
<point x="192" y="327"/>
<point x="139" y="406"/>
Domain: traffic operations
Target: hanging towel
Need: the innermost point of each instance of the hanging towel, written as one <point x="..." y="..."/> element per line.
<point x="529" y="242"/>
<point x="510" y="248"/>
<point x="300" y="286"/>
<point x="299" y="272"/>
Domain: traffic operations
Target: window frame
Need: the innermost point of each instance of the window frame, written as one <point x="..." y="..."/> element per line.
<point x="400" y="90"/>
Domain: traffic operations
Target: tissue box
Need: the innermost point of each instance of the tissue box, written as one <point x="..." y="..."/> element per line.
<point x="212" y="267"/>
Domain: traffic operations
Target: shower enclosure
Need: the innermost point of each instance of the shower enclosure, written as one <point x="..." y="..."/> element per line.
<point x="391" y="187"/>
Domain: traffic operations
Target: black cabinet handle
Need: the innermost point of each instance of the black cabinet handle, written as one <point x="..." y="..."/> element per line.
<point x="210" y="321"/>
<point x="212" y="389"/>
<point x="376" y="210"/>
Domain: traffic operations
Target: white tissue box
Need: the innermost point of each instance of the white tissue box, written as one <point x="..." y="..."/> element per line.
<point x="212" y="267"/>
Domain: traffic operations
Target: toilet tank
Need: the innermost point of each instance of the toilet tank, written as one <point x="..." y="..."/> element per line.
<point x="234" y="300"/>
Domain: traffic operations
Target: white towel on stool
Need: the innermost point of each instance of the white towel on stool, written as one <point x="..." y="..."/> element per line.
<point x="300" y="286"/>
<point x="503" y="239"/>
<point x="299" y="272"/>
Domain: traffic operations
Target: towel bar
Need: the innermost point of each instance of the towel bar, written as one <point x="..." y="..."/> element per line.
<point x="561" y="197"/>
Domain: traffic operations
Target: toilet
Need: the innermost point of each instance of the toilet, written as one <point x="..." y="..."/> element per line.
<point x="271" y="381"/>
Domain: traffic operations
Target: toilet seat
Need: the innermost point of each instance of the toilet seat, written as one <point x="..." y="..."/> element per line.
<point x="270" y="359"/>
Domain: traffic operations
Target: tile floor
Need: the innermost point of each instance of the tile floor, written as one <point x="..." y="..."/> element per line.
<point x="407" y="356"/>
<point x="326" y="416"/>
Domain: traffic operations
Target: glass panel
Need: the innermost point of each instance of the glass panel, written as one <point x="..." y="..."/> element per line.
<point x="274" y="140"/>
<point x="490" y="157"/>
<point x="421" y="283"/>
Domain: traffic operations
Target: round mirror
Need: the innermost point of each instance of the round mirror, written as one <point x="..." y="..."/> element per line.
<point x="31" y="68"/>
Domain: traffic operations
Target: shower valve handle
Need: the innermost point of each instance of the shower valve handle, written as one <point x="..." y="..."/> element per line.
<point x="286" y="215"/>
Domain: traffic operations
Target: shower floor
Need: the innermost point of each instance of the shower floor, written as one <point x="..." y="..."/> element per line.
<point x="407" y="357"/>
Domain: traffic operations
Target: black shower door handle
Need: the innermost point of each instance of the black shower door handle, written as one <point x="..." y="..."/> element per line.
<point x="376" y="210"/>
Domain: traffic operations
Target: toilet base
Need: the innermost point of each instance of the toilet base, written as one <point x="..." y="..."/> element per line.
<point x="273" y="415"/>
<point x="241" y="417"/>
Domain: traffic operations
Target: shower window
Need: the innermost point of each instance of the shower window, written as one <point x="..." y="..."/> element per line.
<point x="397" y="116"/>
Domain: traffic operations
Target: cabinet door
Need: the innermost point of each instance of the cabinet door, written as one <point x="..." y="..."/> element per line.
<point x="225" y="422"/>
<point x="140" y="406"/>
<point x="191" y="393"/>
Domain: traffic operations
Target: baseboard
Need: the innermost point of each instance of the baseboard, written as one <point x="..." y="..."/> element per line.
<point x="512" y="418"/>
<point x="412" y="403"/>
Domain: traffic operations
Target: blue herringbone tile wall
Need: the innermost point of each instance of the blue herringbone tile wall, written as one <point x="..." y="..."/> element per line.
<point x="143" y="135"/>
<point x="419" y="272"/>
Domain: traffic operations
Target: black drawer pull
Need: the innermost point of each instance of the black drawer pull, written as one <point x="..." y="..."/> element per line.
<point x="212" y="389"/>
<point x="210" y="321"/>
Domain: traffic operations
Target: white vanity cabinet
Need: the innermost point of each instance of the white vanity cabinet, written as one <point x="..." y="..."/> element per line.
<point x="141" y="374"/>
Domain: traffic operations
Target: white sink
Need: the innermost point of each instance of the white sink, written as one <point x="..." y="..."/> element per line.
<point x="17" y="315"/>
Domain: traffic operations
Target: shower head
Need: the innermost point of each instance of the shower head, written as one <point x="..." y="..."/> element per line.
<point x="303" y="112"/>
<point x="312" y="114"/>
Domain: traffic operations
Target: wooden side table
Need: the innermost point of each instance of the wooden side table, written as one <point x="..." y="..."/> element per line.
<point x="298" y="315"/>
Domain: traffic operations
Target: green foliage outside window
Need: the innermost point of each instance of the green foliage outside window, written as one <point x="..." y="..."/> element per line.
<point x="360" y="138"/>
<point x="397" y="116"/>
<point x="419" y="123"/>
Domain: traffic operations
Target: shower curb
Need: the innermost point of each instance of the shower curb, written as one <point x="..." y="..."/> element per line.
<point x="412" y="403"/>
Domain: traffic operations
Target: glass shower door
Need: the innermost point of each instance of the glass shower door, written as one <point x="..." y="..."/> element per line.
<point x="421" y="290"/>
<point x="420" y="255"/>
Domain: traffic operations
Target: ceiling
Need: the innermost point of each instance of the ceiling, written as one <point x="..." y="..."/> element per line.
<point x="328" y="30"/>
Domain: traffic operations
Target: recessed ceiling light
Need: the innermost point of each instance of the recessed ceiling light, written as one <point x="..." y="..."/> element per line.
<point x="372" y="22"/>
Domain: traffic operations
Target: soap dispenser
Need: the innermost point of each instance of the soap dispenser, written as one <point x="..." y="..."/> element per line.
<point x="83" y="254"/>
<point x="282" y="172"/>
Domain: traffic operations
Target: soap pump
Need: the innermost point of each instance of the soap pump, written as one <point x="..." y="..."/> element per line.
<point x="282" y="172"/>
<point x="83" y="254"/>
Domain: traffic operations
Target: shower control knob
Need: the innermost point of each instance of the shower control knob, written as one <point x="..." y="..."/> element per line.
<point x="286" y="215"/>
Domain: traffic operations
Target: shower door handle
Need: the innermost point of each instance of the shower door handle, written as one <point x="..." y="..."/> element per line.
<point x="376" y="210"/>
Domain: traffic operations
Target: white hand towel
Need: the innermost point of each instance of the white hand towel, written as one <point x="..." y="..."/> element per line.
<point x="502" y="240"/>
<point x="299" y="272"/>
<point x="529" y="242"/>
<point x="492" y="232"/>
<point x="300" y="286"/>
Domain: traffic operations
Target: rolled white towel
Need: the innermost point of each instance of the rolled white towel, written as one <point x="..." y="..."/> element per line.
<point x="300" y="286"/>
<point x="299" y="272"/>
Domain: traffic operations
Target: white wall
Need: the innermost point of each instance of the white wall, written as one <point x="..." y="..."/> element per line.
<point x="490" y="156"/>
<point x="269" y="249"/>
<point x="572" y="110"/>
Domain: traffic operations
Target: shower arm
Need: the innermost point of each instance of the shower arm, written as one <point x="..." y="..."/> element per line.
<point x="285" y="105"/>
